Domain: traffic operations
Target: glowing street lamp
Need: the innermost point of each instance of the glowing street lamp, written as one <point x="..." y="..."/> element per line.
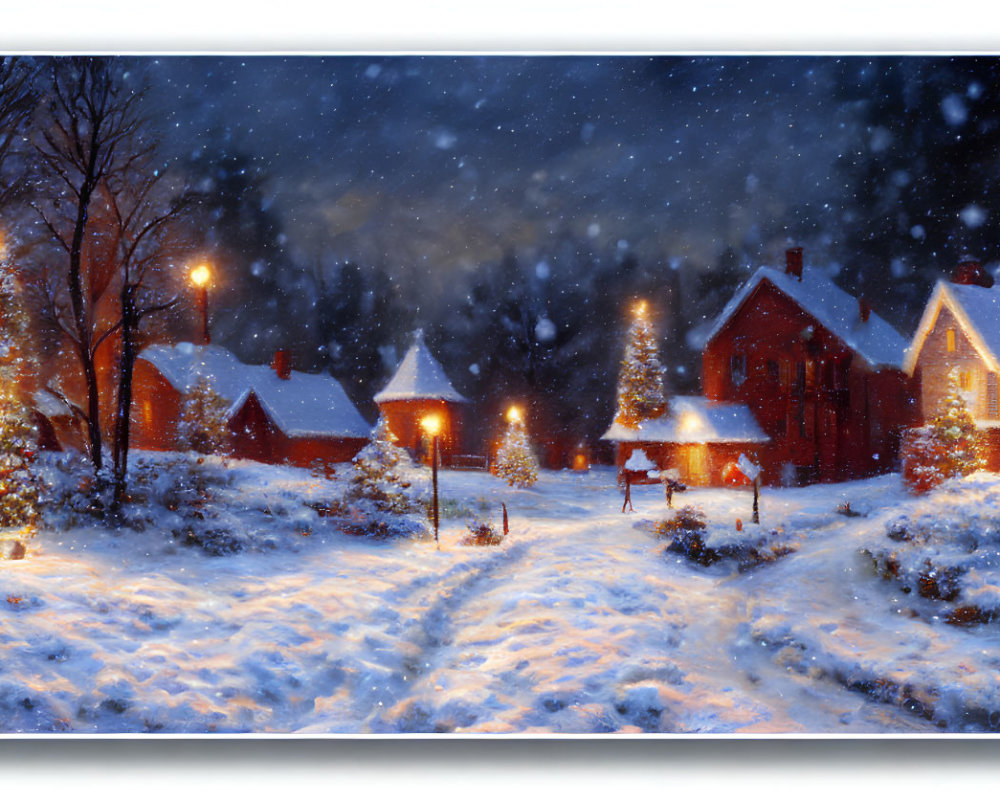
<point x="513" y="414"/>
<point x="640" y="309"/>
<point x="200" y="277"/>
<point x="432" y="427"/>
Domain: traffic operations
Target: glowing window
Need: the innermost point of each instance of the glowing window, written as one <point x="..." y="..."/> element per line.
<point x="950" y="339"/>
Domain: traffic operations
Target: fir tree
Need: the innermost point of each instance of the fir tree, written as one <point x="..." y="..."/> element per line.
<point x="378" y="472"/>
<point x="203" y="427"/>
<point x="948" y="446"/>
<point x="19" y="484"/>
<point x="640" y="381"/>
<point x="515" y="462"/>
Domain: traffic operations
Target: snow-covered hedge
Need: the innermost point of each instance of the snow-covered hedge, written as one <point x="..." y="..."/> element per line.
<point x="948" y="550"/>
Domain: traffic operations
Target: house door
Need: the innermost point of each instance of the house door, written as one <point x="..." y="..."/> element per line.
<point x="694" y="463"/>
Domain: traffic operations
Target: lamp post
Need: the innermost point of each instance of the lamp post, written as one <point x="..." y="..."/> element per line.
<point x="432" y="427"/>
<point x="200" y="277"/>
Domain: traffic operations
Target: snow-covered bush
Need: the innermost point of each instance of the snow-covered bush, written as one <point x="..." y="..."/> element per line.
<point x="948" y="554"/>
<point x="381" y="525"/>
<point x="383" y="474"/>
<point x="692" y="537"/>
<point x="481" y="534"/>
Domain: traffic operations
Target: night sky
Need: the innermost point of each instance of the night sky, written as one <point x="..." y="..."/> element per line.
<point x="447" y="161"/>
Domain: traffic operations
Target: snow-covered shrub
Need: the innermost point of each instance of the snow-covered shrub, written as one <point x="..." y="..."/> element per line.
<point x="693" y="538"/>
<point x="383" y="474"/>
<point x="380" y="525"/>
<point x="948" y="554"/>
<point x="481" y="534"/>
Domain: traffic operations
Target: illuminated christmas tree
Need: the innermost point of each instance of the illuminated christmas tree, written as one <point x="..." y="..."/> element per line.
<point x="379" y="472"/>
<point x="948" y="446"/>
<point x="640" y="381"/>
<point x="515" y="462"/>
<point x="202" y="426"/>
<point x="19" y="484"/>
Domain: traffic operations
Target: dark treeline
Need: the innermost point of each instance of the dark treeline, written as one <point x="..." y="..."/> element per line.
<point x="541" y="324"/>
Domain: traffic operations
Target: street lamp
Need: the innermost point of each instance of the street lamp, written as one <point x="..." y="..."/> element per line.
<point x="432" y="427"/>
<point x="200" y="277"/>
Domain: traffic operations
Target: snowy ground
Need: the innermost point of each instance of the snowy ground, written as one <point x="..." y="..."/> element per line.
<point x="578" y="623"/>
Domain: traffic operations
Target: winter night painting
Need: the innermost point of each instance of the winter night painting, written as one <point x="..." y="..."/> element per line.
<point x="493" y="394"/>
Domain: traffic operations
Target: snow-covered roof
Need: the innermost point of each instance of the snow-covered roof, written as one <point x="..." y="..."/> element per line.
<point x="875" y="340"/>
<point x="977" y="311"/>
<point x="419" y="377"/>
<point x="694" y="420"/>
<point x="303" y="405"/>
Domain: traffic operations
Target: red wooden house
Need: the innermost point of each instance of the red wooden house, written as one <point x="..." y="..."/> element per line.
<point x="822" y="374"/>
<point x="276" y="414"/>
<point x="696" y="437"/>
<point x="417" y="390"/>
<point x="960" y="330"/>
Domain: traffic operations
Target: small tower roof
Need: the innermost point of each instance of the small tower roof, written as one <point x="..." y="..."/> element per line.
<point x="419" y="377"/>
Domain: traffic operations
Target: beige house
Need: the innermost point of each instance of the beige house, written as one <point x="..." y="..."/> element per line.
<point x="960" y="330"/>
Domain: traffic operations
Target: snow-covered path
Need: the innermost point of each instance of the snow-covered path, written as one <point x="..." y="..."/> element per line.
<point x="578" y="623"/>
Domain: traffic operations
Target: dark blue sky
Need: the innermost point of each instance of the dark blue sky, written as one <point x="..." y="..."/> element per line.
<point x="447" y="161"/>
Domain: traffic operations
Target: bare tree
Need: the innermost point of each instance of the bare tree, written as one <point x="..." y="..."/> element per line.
<point x="146" y="227"/>
<point x="89" y="137"/>
<point x="17" y="100"/>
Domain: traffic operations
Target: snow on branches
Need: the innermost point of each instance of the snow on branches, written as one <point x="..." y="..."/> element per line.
<point x="948" y="446"/>
<point x="19" y="484"/>
<point x="379" y="472"/>
<point x="641" y="394"/>
<point x="515" y="462"/>
<point x="202" y="426"/>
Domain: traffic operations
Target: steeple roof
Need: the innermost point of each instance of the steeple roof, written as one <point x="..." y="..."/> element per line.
<point x="419" y="377"/>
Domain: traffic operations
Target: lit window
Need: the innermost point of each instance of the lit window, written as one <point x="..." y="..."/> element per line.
<point x="965" y="379"/>
<point x="992" y="410"/>
<point x="950" y="337"/>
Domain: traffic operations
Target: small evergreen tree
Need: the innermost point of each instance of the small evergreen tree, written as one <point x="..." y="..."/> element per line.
<point x="378" y="472"/>
<point x="203" y="420"/>
<point x="515" y="462"/>
<point x="948" y="446"/>
<point x="641" y="394"/>
<point x="19" y="484"/>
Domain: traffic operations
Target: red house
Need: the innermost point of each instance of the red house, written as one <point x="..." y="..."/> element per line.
<point x="960" y="330"/>
<point x="276" y="414"/>
<point x="417" y="390"/>
<point x="696" y="437"/>
<point x="822" y="374"/>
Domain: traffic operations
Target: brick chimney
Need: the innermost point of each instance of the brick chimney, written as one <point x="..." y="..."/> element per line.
<point x="971" y="273"/>
<point x="282" y="364"/>
<point x="793" y="262"/>
<point x="864" y="310"/>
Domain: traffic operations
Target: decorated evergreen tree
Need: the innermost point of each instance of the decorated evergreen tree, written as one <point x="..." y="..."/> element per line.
<point x="379" y="472"/>
<point x="640" y="381"/>
<point x="515" y="462"/>
<point x="19" y="483"/>
<point x="948" y="446"/>
<point x="203" y="420"/>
